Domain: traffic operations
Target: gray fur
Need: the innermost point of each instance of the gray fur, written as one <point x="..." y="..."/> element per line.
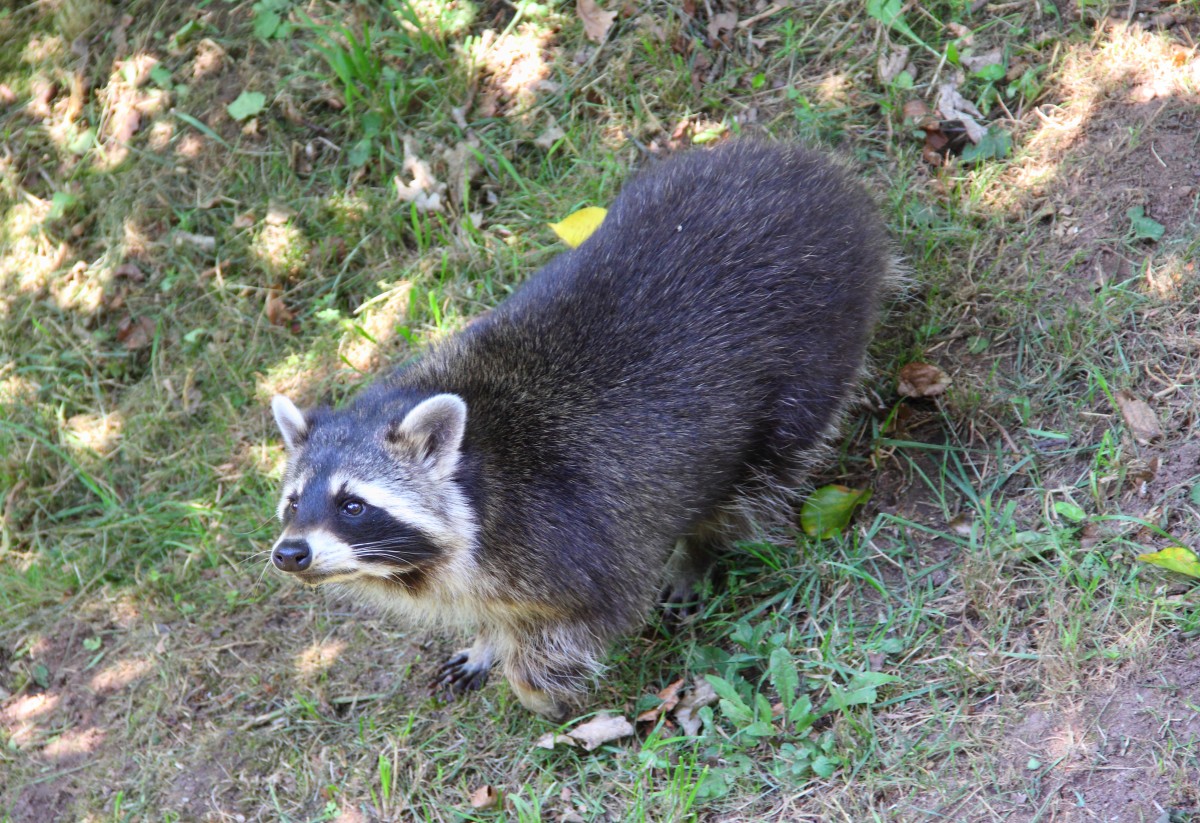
<point x="679" y="367"/>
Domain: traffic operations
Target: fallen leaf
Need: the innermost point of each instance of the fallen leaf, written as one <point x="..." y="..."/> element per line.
<point x="669" y="699"/>
<point x="721" y="23"/>
<point x="1139" y="417"/>
<point x="551" y="739"/>
<point x="977" y="62"/>
<point x="277" y="311"/>
<point x="130" y="271"/>
<point x="686" y="713"/>
<point x="484" y="797"/>
<point x="954" y="106"/>
<point x="922" y="380"/>
<point x="891" y="64"/>
<point x="247" y="104"/>
<point x="135" y="333"/>
<point x="601" y="729"/>
<point x="204" y="242"/>
<point x="244" y="220"/>
<point x="827" y="511"/>
<point x="279" y="214"/>
<point x="424" y="192"/>
<point x="550" y="136"/>
<point x="1176" y="559"/>
<point x="596" y="21"/>
<point x="578" y="226"/>
<point x="961" y="525"/>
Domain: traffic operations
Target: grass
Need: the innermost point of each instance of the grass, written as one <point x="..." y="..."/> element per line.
<point x="982" y="644"/>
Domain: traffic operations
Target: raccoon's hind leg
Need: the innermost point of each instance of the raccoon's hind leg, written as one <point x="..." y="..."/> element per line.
<point x="466" y="671"/>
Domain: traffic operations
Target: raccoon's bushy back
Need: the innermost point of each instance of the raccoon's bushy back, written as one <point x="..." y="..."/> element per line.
<point x="707" y="333"/>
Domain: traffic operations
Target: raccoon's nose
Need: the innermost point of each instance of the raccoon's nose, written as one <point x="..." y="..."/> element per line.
<point x="292" y="556"/>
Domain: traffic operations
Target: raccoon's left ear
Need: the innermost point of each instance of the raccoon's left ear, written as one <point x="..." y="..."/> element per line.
<point x="432" y="432"/>
<point x="292" y="424"/>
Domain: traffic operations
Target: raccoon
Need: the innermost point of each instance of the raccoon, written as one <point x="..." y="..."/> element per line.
<point x="547" y="472"/>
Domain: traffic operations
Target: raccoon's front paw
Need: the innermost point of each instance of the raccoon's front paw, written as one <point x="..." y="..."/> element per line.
<point x="462" y="673"/>
<point x="681" y="600"/>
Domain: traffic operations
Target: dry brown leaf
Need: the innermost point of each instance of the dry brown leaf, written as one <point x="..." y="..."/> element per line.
<point x="891" y="64"/>
<point x="485" y="797"/>
<point x="135" y="333"/>
<point x="669" y="697"/>
<point x="277" y="311"/>
<point x="1139" y="417"/>
<point x="922" y="380"/>
<point x="125" y="122"/>
<point x="204" y="242"/>
<point x="721" y="23"/>
<point x="551" y="739"/>
<point x="954" y="106"/>
<point x="424" y="191"/>
<point x="975" y="62"/>
<point x="962" y="525"/>
<point x="278" y="214"/>
<point x="686" y="713"/>
<point x="129" y="270"/>
<point x="550" y="136"/>
<point x="244" y="220"/>
<point x="916" y="111"/>
<point x="601" y="729"/>
<point x="596" y="21"/>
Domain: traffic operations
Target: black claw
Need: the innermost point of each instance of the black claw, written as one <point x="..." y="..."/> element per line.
<point x="457" y="676"/>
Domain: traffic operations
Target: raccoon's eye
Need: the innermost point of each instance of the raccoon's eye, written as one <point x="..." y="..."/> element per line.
<point x="294" y="504"/>
<point x="353" y="508"/>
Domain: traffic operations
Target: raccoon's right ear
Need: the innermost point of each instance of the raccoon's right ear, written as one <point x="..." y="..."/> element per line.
<point x="291" y="421"/>
<point x="432" y="432"/>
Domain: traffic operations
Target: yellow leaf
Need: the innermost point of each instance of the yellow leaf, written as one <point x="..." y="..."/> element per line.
<point x="1175" y="558"/>
<point x="578" y="226"/>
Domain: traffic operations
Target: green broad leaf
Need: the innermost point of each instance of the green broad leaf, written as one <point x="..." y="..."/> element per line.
<point x="995" y="145"/>
<point x="827" y="511"/>
<point x="1144" y="228"/>
<point x="1069" y="511"/>
<point x="92" y="643"/>
<point x="360" y="152"/>
<point x="41" y="675"/>
<point x="801" y="715"/>
<point x="161" y="76"/>
<point x="247" y="104"/>
<point x="991" y="73"/>
<point x="891" y="14"/>
<point x="783" y="676"/>
<point x="267" y="22"/>
<point x="759" y="729"/>
<point x="732" y="705"/>
<point x="824" y="767"/>
<point x="1176" y="559"/>
<point x="83" y="142"/>
<point x="1194" y="494"/>
<point x="861" y="690"/>
<point x="61" y="203"/>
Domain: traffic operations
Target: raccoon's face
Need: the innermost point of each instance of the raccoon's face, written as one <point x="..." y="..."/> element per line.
<point x="366" y="498"/>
